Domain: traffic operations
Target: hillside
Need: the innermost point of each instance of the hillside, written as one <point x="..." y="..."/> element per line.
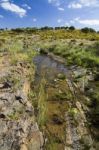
<point x="49" y="83"/>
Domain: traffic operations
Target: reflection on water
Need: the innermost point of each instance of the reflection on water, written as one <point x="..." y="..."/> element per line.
<point x="48" y="67"/>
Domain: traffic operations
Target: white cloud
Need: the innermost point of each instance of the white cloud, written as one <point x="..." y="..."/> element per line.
<point x="55" y="2"/>
<point x="34" y="19"/>
<point x="1" y="16"/>
<point x="67" y="24"/>
<point x="4" y="0"/>
<point x="91" y="22"/>
<point x="89" y="2"/>
<point x="26" y="6"/>
<point x="58" y="3"/>
<point x="72" y="21"/>
<point x="5" y="4"/>
<point x="59" y="20"/>
<point x="76" y="4"/>
<point x="60" y="8"/>
<point x="88" y="22"/>
<point x="77" y="19"/>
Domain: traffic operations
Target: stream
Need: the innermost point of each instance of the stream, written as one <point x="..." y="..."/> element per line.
<point x="60" y="130"/>
<point x="48" y="66"/>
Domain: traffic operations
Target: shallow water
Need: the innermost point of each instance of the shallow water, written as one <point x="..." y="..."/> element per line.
<point x="57" y="105"/>
<point x="48" y="67"/>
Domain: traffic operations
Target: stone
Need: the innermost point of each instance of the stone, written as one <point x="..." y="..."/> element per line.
<point x="18" y="127"/>
<point x="8" y="97"/>
<point x="61" y="76"/>
<point x="23" y="147"/>
<point x="1" y="86"/>
<point x="36" y="141"/>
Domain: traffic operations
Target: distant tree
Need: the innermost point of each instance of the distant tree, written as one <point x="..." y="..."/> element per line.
<point x="66" y="28"/>
<point x="46" y="28"/>
<point x="1" y="29"/>
<point x="34" y="29"/>
<point x="87" y="30"/>
<point x="92" y="30"/>
<point x="71" y="28"/>
<point x="19" y="30"/>
<point x="51" y="28"/>
<point x="57" y="28"/>
<point x="63" y="27"/>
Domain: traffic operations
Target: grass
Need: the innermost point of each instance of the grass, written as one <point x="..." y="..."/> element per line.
<point x="19" y="48"/>
<point x="42" y="105"/>
<point x="22" y="46"/>
<point x="32" y="97"/>
<point x="16" y="115"/>
<point x="84" y="52"/>
<point x="82" y="56"/>
<point x="21" y="55"/>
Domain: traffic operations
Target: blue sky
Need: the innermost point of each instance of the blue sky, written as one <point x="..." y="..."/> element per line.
<point x="29" y="13"/>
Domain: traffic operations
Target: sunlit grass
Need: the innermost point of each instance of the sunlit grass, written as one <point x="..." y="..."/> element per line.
<point x="42" y="104"/>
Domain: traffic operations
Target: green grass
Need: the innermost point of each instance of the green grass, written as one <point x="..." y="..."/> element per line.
<point x="22" y="46"/>
<point x="75" y="47"/>
<point x="16" y="115"/>
<point x="86" y="56"/>
<point x="42" y="104"/>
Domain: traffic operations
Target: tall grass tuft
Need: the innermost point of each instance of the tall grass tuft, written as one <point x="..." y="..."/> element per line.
<point x="42" y="104"/>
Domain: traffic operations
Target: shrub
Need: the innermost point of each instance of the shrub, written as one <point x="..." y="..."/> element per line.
<point x="71" y="28"/>
<point x="87" y="30"/>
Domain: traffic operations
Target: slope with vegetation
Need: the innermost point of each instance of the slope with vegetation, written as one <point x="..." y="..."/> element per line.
<point x="58" y="90"/>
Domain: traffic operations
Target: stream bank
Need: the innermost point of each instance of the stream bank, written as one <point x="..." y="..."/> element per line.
<point x="18" y="127"/>
<point x="65" y="124"/>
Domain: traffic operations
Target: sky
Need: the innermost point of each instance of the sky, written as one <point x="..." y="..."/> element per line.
<point x="38" y="13"/>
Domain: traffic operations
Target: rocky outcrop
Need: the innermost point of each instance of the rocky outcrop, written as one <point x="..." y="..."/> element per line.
<point x="78" y="135"/>
<point x="18" y="127"/>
